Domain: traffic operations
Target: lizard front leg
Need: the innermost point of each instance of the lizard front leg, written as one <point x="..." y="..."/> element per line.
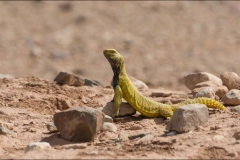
<point x="117" y="99"/>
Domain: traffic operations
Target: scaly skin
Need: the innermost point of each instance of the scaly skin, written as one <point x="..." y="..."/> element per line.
<point x="123" y="88"/>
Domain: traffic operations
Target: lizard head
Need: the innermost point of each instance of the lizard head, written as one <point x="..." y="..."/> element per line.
<point x="115" y="59"/>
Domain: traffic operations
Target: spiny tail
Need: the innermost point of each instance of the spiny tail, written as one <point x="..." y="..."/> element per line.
<point x="210" y="103"/>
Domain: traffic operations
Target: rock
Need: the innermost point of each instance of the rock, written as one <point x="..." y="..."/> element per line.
<point x="188" y="117"/>
<point x="37" y="146"/>
<point x="159" y="120"/>
<point x="192" y="79"/>
<point x="236" y="109"/>
<point x="5" y="131"/>
<point x="206" y="92"/>
<point x="237" y="135"/>
<point x="108" y="119"/>
<point x="79" y="124"/>
<point x="161" y="94"/>
<point x="51" y="127"/>
<point x="131" y="137"/>
<point x="232" y="97"/>
<point x="231" y="80"/>
<point x="171" y="133"/>
<point x="8" y="76"/>
<point x="135" y="127"/>
<point x="125" y="109"/>
<point x="93" y="153"/>
<point x="207" y="84"/>
<point x="216" y="127"/>
<point x="145" y="140"/>
<point x="221" y="91"/>
<point x="69" y="79"/>
<point x="123" y="136"/>
<point x="218" y="137"/>
<point x="75" y="146"/>
<point x="65" y="103"/>
<point x="138" y="84"/>
<point x="93" y="83"/>
<point x="108" y="127"/>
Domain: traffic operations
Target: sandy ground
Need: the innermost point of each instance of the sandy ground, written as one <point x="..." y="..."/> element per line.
<point x="28" y="104"/>
<point x="161" y="42"/>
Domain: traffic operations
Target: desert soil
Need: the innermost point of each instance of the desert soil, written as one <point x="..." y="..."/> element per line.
<point x="161" y="42"/>
<point x="28" y="105"/>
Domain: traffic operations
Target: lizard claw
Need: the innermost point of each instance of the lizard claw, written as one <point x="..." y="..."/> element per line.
<point x="116" y="112"/>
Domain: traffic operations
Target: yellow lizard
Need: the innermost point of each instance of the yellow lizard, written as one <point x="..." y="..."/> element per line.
<point x="123" y="88"/>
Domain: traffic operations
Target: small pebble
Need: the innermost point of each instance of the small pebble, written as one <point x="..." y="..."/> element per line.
<point x="135" y="127"/>
<point x="218" y="137"/>
<point x="107" y="126"/>
<point x="171" y="133"/>
<point x="131" y="137"/>
<point x="5" y="131"/>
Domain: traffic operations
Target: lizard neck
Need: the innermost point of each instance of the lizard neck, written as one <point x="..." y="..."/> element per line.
<point x="118" y="71"/>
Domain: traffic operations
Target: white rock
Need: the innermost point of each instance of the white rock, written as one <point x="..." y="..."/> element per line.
<point x="192" y="79"/>
<point x="108" y="127"/>
<point x="75" y="146"/>
<point x="218" y="137"/>
<point x="171" y="133"/>
<point x="108" y="119"/>
<point x="145" y="140"/>
<point x="8" y="76"/>
<point x="188" y="117"/>
<point x="232" y="97"/>
<point x="37" y="146"/>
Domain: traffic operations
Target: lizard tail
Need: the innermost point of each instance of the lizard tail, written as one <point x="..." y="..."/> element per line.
<point x="210" y="103"/>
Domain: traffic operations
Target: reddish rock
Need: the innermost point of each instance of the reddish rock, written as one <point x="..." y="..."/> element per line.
<point x="231" y="80"/>
<point x="79" y="124"/>
<point x="192" y="79"/>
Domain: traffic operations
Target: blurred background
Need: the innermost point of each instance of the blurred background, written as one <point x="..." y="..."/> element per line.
<point x="161" y="41"/>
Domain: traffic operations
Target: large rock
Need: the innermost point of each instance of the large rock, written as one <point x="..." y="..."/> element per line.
<point x="231" y="80"/>
<point x="79" y="124"/>
<point x="188" y="117"/>
<point x="232" y="97"/>
<point x="73" y="80"/>
<point x="192" y="79"/>
<point x="69" y="79"/>
<point x="125" y="109"/>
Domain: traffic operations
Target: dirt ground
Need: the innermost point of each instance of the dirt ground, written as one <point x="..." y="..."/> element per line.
<point x="161" y="42"/>
<point x="28" y="104"/>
